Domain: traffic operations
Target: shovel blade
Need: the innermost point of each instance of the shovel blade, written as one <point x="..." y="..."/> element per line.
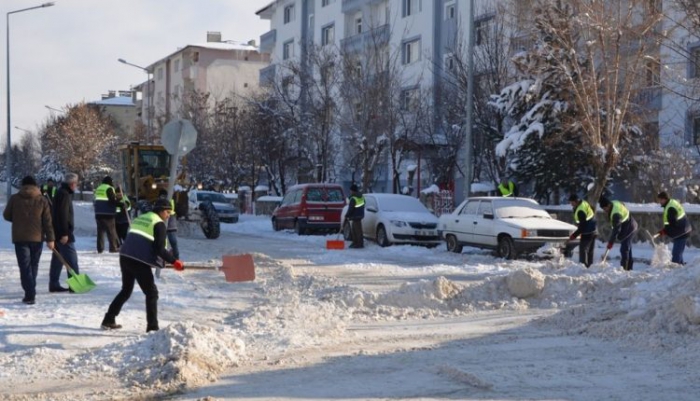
<point x="335" y="244"/>
<point x="238" y="268"/>
<point x="81" y="283"/>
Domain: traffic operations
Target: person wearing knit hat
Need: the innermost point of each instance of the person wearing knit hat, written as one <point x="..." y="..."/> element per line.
<point x="30" y="215"/>
<point x="584" y="217"/>
<point x="623" y="228"/>
<point x="106" y="203"/>
<point x="143" y="248"/>
<point x="676" y="226"/>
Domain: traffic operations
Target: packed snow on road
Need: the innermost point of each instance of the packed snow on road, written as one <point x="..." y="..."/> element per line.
<point x="373" y="323"/>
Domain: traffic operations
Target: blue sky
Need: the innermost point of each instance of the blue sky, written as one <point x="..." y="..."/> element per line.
<point x="68" y="53"/>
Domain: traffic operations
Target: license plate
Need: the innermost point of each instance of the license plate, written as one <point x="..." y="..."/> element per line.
<point x="425" y="233"/>
<point x="316" y="218"/>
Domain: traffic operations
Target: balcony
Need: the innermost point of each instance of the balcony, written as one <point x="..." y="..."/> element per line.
<point x="372" y="38"/>
<point x="350" y="6"/>
<point x="267" y="75"/>
<point x="267" y="41"/>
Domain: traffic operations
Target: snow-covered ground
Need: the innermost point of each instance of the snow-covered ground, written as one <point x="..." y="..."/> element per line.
<point x="401" y="322"/>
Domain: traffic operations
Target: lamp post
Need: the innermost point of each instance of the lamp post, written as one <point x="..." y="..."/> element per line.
<point x="468" y="162"/>
<point x="8" y="154"/>
<point x="149" y="127"/>
<point x="53" y="109"/>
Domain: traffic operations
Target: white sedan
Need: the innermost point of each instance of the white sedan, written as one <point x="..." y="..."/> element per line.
<point x="509" y="225"/>
<point x="396" y="219"/>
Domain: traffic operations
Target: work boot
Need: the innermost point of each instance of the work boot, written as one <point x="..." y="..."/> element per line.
<point x="58" y="289"/>
<point x="110" y="324"/>
<point x="28" y="301"/>
<point x="149" y="329"/>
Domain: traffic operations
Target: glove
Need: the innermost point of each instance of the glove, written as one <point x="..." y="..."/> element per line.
<point x="571" y="237"/>
<point x="178" y="265"/>
<point x="661" y="233"/>
<point x="610" y="245"/>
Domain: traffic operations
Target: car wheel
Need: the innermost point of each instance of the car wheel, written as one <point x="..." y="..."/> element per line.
<point x="453" y="245"/>
<point x="275" y="225"/>
<point x="298" y="229"/>
<point x="347" y="234"/>
<point x="506" y="248"/>
<point x="382" y="238"/>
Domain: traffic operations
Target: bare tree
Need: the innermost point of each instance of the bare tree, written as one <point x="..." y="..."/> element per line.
<point x="608" y="45"/>
<point x="81" y="140"/>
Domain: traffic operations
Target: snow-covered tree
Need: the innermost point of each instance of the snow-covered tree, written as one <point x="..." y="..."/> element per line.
<point x="82" y="140"/>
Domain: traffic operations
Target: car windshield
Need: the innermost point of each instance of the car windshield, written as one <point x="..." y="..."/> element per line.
<point x="401" y="204"/>
<point x="519" y="209"/>
<point x="212" y="197"/>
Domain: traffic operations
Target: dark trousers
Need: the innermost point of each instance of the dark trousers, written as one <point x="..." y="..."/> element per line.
<point x="678" y="249"/>
<point x="626" y="253"/>
<point x="135" y="271"/>
<point x="172" y="240"/>
<point x="356" y="233"/>
<point x="70" y="255"/>
<point x="122" y="229"/>
<point x="105" y="224"/>
<point x="585" y="249"/>
<point x="28" y="255"/>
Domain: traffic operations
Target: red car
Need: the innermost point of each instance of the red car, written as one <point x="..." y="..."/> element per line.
<point x="310" y="208"/>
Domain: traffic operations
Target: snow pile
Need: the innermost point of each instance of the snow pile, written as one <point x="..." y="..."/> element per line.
<point x="525" y="283"/>
<point x="181" y="355"/>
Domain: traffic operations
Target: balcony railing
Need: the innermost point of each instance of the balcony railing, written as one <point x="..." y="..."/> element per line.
<point x="267" y="74"/>
<point x="374" y="37"/>
<point x="350" y="6"/>
<point x="267" y="41"/>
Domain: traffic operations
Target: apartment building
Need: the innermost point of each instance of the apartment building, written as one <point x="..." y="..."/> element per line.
<point x="425" y="32"/>
<point x="120" y="106"/>
<point x="222" y="68"/>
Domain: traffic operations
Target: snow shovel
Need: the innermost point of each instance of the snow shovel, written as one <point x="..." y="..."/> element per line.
<point x="78" y="283"/>
<point x="605" y="255"/>
<point x="238" y="268"/>
<point x="336" y="243"/>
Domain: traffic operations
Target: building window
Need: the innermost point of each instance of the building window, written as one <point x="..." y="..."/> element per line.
<point x="288" y="50"/>
<point x="195" y="57"/>
<point x="160" y="73"/>
<point x="411" y="51"/>
<point x="450" y="10"/>
<point x="287" y="85"/>
<point x="450" y="63"/>
<point x="481" y="30"/>
<point x="176" y="92"/>
<point x="695" y="126"/>
<point x="325" y="2"/>
<point x="694" y="67"/>
<point x="653" y="73"/>
<point x="409" y="99"/>
<point x="328" y="35"/>
<point x="411" y="7"/>
<point x="358" y="25"/>
<point x="176" y="65"/>
<point x="289" y="14"/>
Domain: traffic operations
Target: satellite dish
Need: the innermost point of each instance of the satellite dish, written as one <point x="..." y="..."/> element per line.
<point x="179" y="137"/>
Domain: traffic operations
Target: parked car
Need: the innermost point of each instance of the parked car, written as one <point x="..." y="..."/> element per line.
<point x="309" y="208"/>
<point x="227" y="212"/>
<point x="396" y="219"/>
<point x="511" y="226"/>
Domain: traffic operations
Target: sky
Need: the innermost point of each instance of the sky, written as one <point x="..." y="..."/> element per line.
<point x="68" y="53"/>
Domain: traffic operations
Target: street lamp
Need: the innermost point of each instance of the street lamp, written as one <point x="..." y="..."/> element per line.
<point x="55" y="109"/>
<point x="8" y="154"/>
<point x="26" y="131"/>
<point x="149" y="127"/>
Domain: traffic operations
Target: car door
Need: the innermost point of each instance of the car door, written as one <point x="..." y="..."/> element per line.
<point x="461" y="223"/>
<point x="285" y="211"/>
<point x="369" y="222"/>
<point x="483" y="224"/>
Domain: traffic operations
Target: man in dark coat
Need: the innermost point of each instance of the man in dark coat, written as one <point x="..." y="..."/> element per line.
<point x="105" y="210"/>
<point x="143" y="248"/>
<point x="30" y="215"/>
<point x="584" y="217"/>
<point x="122" y="219"/>
<point x="355" y="214"/>
<point x="676" y="225"/>
<point x="64" y="224"/>
<point x="623" y="228"/>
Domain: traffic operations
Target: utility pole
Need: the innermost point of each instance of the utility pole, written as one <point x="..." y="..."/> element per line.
<point x="468" y="157"/>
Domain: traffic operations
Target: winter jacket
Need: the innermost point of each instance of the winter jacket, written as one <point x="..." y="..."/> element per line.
<point x="676" y="227"/>
<point x="30" y="215"/>
<point x="623" y="224"/>
<point x="356" y="207"/>
<point x="63" y="216"/>
<point x="105" y="201"/>
<point x="584" y="216"/>
<point x="146" y="241"/>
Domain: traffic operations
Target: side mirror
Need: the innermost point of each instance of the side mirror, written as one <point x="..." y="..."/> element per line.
<point x="488" y="216"/>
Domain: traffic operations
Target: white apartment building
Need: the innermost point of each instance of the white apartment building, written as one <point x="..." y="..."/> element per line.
<point x="424" y="31"/>
<point x="220" y="68"/>
<point x="120" y="106"/>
